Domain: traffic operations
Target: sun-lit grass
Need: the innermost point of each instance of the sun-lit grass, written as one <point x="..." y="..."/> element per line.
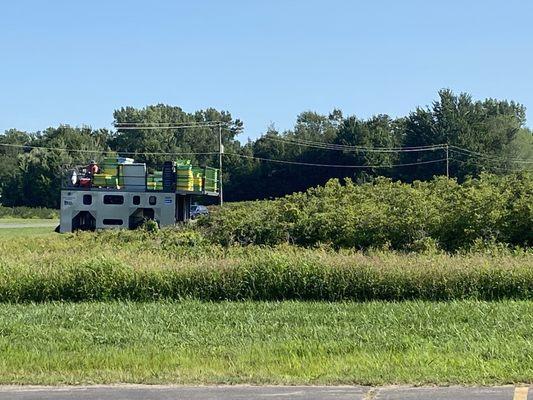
<point x="374" y="343"/>
<point x="177" y="265"/>
<point x="28" y="221"/>
<point x="288" y="342"/>
<point x="27" y="213"/>
<point x="27" y="232"/>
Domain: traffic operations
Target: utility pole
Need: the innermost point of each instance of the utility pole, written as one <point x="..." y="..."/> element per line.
<point x="447" y="160"/>
<point x="220" y="152"/>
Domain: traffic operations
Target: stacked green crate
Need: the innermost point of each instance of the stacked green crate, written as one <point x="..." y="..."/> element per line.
<point x="104" y="180"/>
<point x="158" y="179"/>
<point x="211" y="179"/>
<point x="155" y="181"/>
<point x="185" y="179"/>
<point x="108" y="176"/>
<point x="153" y="185"/>
<point x="198" y="178"/>
<point x="110" y="166"/>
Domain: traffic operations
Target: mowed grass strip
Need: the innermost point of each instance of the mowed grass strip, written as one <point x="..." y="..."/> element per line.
<point x="26" y="233"/>
<point x="28" y="221"/>
<point x="190" y="342"/>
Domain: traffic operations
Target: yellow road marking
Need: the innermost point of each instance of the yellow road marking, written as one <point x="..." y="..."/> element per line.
<point x="520" y="393"/>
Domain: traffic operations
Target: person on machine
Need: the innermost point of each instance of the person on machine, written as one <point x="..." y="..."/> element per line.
<point x="92" y="169"/>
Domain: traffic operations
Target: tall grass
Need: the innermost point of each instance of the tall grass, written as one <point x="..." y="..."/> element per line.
<point x="179" y="265"/>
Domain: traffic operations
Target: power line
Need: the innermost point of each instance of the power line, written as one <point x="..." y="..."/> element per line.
<point x="334" y="165"/>
<point x="306" y="141"/>
<point x="136" y="128"/>
<point x="456" y="149"/>
<point x="340" y="147"/>
<point x="167" y="125"/>
<point x="469" y="153"/>
<point x="107" y="151"/>
<point x="329" y="146"/>
<point x="315" y="144"/>
<point x="173" y="123"/>
<point x="215" y="152"/>
<point x="498" y="167"/>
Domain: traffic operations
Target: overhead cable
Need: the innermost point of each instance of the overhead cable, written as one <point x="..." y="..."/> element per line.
<point x="330" y="146"/>
<point x="469" y="153"/>
<point x="149" y="127"/>
<point x="498" y="167"/>
<point x="341" y="147"/>
<point x="333" y="165"/>
<point x="107" y="151"/>
<point x="167" y="125"/>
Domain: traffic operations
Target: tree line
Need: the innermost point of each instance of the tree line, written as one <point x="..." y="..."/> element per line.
<point x="477" y="136"/>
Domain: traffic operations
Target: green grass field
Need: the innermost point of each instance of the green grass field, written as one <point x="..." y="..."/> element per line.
<point x="371" y="343"/>
<point x="27" y="213"/>
<point x="165" y="340"/>
<point x="25" y="233"/>
<point x="27" y="227"/>
<point x="28" y="221"/>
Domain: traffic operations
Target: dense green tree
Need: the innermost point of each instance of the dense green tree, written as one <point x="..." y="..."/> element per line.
<point x="176" y="140"/>
<point x="380" y="131"/>
<point x="488" y="135"/>
<point x="9" y="158"/>
<point x="487" y="127"/>
<point x="36" y="174"/>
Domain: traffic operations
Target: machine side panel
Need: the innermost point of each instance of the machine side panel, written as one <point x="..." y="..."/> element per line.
<point x="113" y="209"/>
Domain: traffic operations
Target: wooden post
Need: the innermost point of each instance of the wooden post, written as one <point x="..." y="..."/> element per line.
<point x="447" y="160"/>
<point x="220" y="151"/>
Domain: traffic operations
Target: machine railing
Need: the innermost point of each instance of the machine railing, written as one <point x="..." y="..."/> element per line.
<point x="194" y="180"/>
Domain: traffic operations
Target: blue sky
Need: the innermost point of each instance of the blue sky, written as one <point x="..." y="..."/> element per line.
<point x="264" y="61"/>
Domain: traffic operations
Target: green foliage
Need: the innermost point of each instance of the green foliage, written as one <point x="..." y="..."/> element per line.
<point x="489" y="127"/>
<point x="32" y="177"/>
<point x="191" y="139"/>
<point x="170" y="242"/>
<point x="493" y="129"/>
<point x="384" y="213"/>
<point x="150" y="226"/>
<point x="254" y="222"/>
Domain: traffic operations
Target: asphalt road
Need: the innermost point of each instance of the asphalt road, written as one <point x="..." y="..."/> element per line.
<point x="138" y="392"/>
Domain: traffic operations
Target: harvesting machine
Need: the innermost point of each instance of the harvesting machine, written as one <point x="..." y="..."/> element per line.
<point x="120" y="193"/>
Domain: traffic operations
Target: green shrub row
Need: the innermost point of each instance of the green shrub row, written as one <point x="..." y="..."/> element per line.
<point x="272" y="274"/>
<point x="28" y="212"/>
<point x="441" y="213"/>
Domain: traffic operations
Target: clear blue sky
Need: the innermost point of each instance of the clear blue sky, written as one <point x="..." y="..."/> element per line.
<point x="264" y="61"/>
